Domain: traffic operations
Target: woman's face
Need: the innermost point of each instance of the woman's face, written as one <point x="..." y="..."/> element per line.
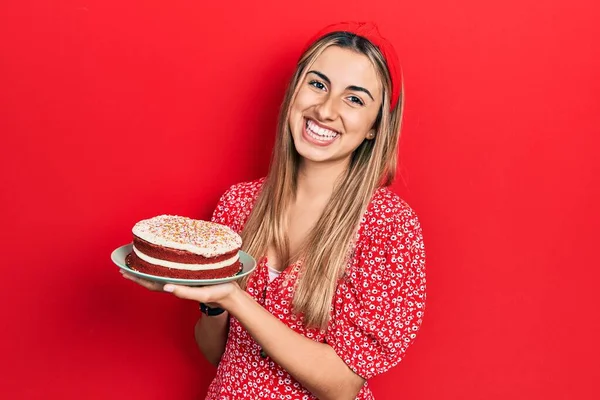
<point x="336" y="106"/>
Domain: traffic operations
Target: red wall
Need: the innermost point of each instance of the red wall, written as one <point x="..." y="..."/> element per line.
<point x="111" y="111"/>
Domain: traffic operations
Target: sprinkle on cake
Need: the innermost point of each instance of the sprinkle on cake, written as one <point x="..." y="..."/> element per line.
<point x="181" y="247"/>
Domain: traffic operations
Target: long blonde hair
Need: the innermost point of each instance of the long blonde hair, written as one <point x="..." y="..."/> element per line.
<point x="326" y="251"/>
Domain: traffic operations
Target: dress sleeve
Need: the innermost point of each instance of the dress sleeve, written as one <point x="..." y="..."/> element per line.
<point x="379" y="304"/>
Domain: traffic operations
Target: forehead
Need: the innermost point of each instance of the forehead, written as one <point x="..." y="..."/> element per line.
<point x="346" y="67"/>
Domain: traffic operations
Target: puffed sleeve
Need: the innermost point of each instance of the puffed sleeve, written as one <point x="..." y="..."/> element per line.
<point x="378" y="306"/>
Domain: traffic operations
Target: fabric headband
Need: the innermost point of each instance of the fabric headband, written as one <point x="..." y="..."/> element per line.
<point x="370" y="32"/>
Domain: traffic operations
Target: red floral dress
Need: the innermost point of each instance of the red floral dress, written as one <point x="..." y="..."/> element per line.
<point x="376" y="311"/>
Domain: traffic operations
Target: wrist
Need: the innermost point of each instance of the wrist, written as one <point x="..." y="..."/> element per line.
<point x="210" y="310"/>
<point x="233" y="301"/>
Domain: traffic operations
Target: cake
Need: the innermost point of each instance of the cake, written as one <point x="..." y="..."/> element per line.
<point x="180" y="247"/>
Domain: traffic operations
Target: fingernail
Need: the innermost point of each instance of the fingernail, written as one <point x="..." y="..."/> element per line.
<point x="169" y="288"/>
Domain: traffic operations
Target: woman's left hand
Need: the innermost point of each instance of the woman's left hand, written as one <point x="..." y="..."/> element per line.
<point x="212" y="295"/>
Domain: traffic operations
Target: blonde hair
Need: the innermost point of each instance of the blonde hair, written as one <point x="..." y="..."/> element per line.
<point x="327" y="249"/>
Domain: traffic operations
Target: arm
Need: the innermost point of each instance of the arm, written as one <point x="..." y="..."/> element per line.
<point x="315" y="365"/>
<point x="211" y="335"/>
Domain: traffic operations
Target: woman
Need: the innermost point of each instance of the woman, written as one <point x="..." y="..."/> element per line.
<point x="338" y="294"/>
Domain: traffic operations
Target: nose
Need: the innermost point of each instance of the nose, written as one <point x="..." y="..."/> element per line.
<point x="326" y="110"/>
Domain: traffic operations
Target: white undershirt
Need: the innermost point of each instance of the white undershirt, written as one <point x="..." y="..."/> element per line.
<point x="273" y="273"/>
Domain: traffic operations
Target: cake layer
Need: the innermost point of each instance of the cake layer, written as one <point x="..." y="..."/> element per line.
<point x="178" y="256"/>
<point x="191" y="267"/>
<point x="135" y="263"/>
<point x="204" y="238"/>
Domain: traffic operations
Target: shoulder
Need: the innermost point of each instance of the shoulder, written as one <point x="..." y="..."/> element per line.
<point x="388" y="201"/>
<point x="236" y="203"/>
<point x="387" y="213"/>
<point x="243" y="191"/>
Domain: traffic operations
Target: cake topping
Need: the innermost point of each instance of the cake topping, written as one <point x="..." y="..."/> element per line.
<point x="205" y="238"/>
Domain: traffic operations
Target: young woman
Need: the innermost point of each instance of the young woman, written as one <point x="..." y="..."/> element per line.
<point x="339" y="290"/>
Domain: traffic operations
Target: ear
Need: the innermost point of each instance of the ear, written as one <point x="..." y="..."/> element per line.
<point x="370" y="134"/>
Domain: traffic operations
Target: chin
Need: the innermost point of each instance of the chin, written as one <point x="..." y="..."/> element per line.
<point x="310" y="154"/>
<point x="319" y="156"/>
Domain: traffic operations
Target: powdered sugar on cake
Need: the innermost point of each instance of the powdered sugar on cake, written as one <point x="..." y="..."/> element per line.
<point x="204" y="238"/>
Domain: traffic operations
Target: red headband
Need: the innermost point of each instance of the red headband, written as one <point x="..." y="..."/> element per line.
<point x="370" y="32"/>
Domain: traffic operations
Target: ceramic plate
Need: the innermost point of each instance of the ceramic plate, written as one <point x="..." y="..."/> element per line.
<point x="119" y="254"/>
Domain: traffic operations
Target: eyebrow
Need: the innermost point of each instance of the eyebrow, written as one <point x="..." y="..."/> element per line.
<point x="351" y="87"/>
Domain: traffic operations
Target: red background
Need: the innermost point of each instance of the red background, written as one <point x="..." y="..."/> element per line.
<point x="112" y="111"/>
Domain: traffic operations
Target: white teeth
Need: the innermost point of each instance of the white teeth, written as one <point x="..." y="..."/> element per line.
<point x="319" y="133"/>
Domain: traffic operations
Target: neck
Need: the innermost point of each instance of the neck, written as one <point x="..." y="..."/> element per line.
<point x="317" y="180"/>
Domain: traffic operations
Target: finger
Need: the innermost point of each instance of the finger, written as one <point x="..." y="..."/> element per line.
<point x="142" y="282"/>
<point x="185" y="292"/>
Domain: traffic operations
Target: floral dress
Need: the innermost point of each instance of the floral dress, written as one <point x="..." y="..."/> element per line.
<point x="375" y="314"/>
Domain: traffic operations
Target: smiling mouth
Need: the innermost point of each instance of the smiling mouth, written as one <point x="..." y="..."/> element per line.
<point x="319" y="133"/>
